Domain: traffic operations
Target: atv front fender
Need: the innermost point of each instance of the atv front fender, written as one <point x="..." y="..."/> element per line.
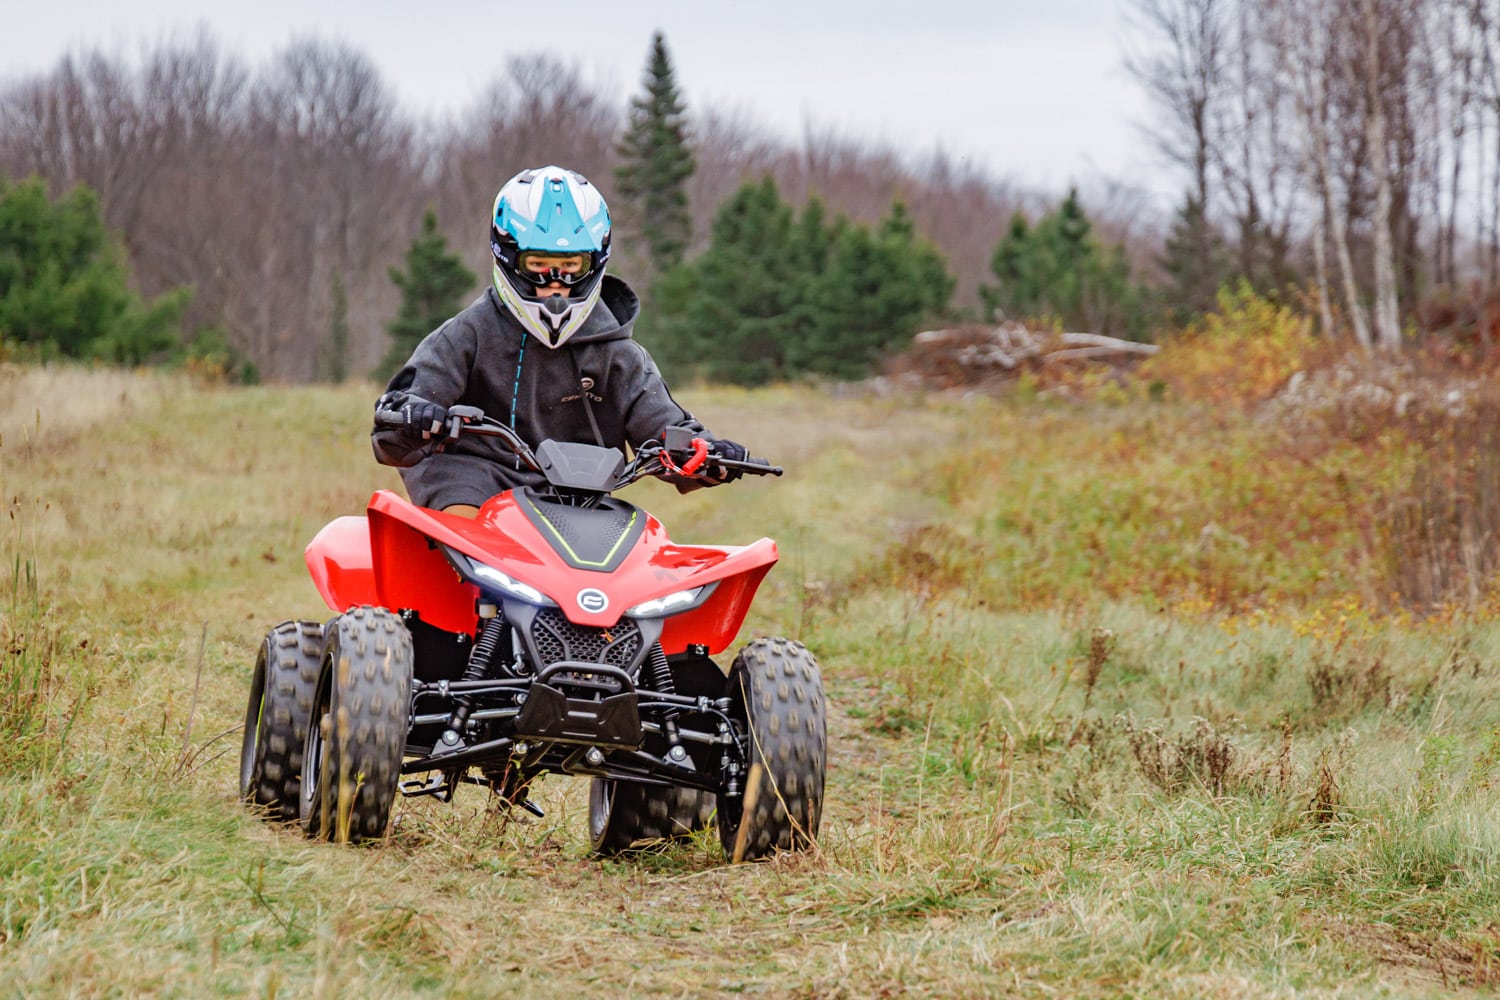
<point x="341" y="563"/>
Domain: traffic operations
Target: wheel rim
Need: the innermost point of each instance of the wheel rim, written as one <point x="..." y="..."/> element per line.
<point x="250" y="745"/>
<point x="601" y="804"/>
<point x="313" y="756"/>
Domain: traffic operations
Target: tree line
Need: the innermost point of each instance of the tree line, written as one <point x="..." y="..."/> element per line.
<point x="1346" y="149"/>
<point x="280" y="192"/>
<point x="1350" y="146"/>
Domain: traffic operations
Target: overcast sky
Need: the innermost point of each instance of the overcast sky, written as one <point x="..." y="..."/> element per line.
<point x="1031" y="91"/>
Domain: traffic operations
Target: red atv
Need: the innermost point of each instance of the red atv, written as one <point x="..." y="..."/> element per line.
<point x="559" y="631"/>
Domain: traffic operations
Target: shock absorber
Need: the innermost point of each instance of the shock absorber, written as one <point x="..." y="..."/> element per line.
<point x="477" y="669"/>
<point x="661" y="678"/>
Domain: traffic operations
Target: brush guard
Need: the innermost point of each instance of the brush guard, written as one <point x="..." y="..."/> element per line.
<point x="612" y="721"/>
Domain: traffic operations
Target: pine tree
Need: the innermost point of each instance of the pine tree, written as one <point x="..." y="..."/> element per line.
<point x="656" y="163"/>
<point x="1196" y="259"/>
<point x="1012" y="263"/>
<point x="64" y="284"/>
<point x="918" y="286"/>
<point x="875" y="290"/>
<point x="431" y="289"/>
<point x="1057" y="272"/>
<point x="728" y="313"/>
<point x="779" y="295"/>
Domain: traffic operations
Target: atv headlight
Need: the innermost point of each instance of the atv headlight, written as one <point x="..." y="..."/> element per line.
<point x="510" y="586"/>
<point x="660" y="607"/>
<point x="491" y="578"/>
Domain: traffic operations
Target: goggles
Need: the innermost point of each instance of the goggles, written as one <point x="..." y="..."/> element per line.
<point x="543" y="268"/>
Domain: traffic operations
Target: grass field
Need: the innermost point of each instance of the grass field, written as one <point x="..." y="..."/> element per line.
<point x="1127" y="699"/>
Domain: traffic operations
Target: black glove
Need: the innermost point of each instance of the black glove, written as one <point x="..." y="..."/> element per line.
<point x="723" y="448"/>
<point x="425" y="419"/>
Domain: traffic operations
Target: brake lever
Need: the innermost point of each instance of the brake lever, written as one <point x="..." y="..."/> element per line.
<point x="459" y="417"/>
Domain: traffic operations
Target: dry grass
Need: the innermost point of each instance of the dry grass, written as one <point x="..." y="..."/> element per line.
<point x="38" y="403"/>
<point x="1078" y="797"/>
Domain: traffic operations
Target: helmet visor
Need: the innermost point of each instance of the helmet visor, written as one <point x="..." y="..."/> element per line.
<point x="543" y="267"/>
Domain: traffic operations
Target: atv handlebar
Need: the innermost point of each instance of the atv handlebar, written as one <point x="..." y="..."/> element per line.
<point x="693" y="462"/>
<point x="679" y="455"/>
<point x="467" y="420"/>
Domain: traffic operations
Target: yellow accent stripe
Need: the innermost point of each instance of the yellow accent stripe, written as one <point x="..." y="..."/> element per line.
<point x="574" y="555"/>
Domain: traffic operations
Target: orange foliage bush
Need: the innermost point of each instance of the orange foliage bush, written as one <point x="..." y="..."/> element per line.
<point x="1241" y="354"/>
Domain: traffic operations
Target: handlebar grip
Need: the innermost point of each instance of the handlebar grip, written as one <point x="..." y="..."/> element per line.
<point x="389" y="420"/>
<point x="764" y="467"/>
<point x="757" y="466"/>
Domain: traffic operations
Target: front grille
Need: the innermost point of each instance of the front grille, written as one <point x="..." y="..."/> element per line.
<point x="555" y="638"/>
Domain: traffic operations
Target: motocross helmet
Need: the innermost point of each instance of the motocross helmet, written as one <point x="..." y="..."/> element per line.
<point x="549" y="225"/>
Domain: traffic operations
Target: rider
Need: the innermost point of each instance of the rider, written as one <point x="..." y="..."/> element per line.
<point x="536" y="351"/>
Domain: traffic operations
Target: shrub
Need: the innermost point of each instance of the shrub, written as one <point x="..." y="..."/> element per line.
<point x="1240" y="354"/>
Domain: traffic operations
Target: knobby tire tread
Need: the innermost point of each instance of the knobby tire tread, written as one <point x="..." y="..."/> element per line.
<point x="370" y="656"/>
<point x="290" y="654"/>
<point x="779" y="687"/>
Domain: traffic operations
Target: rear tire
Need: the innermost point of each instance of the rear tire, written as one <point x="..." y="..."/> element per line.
<point x="626" y="814"/>
<point x="777" y="694"/>
<point x="357" y="729"/>
<point x="281" y="700"/>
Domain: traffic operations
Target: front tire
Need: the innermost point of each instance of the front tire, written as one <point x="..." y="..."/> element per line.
<point x="626" y="814"/>
<point x="777" y="693"/>
<point x="357" y="729"/>
<point x="281" y="701"/>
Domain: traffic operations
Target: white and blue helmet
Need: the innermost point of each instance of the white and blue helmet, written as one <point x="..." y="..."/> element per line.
<point x="543" y="217"/>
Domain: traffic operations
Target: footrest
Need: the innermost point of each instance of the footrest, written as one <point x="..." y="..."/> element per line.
<point x="433" y="784"/>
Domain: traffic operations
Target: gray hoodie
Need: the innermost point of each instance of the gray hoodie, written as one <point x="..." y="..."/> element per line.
<point x="482" y="357"/>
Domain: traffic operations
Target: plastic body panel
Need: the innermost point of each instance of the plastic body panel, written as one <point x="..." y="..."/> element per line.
<point x="391" y="558"/>
<point x="338" y="559"/>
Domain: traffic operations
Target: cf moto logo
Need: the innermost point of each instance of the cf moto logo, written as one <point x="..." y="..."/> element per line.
<point x="593" y="601"/>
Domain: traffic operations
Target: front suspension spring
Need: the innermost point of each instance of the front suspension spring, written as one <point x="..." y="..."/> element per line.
<point x="661" y="678"/>
<point x="477" y="669"/>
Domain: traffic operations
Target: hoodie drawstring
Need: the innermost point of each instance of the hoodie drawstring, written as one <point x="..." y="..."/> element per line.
<point x="515" y="390"/>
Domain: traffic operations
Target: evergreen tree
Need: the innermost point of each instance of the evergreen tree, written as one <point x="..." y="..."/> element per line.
<point x="778" y="295"/>
<point x="875" y="290"/>
<point x="1056" y="272"/>
<point x="918" y="287"/>
<point x="1017" y="290"/>
<point x="656" y="163"/>
<point x="64" y="286"/>
<point x="1196" y="262"/>
<point x="728" y="313"/>
<point x="432" y="285"/>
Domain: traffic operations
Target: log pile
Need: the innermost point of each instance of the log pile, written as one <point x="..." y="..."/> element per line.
<point x="981" y="356"/>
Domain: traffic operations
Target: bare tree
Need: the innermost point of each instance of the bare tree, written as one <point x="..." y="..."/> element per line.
<point x="1305" y="33"/>
<point x="1375" y="22"/>
<point x="1182" y="68"/>
<point x="539" y="111"/>
<point x="731" y="149"/>
<point x="330" y="162"/>
<point x="1485" y="20"/>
